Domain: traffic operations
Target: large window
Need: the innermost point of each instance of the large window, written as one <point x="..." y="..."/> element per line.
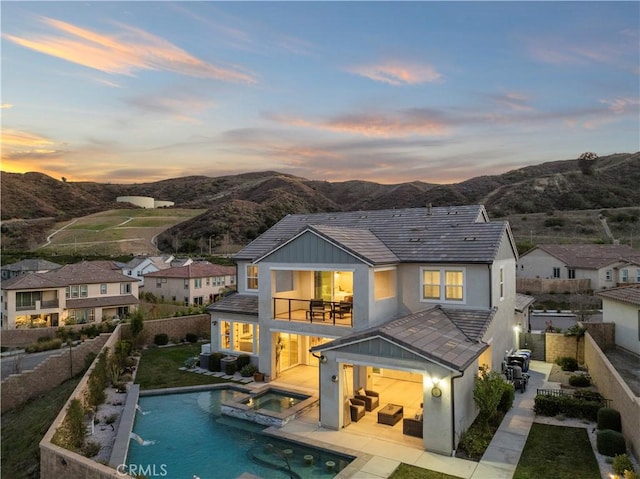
<point x="624" y="276"/>
<point x="443" y="284"/>
<point x="239" y="337"/>
<point x="252" y="277"/>
<point x="27" y="300"/>
<point x="81" y="316"/>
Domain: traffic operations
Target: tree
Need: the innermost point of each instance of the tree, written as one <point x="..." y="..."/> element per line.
<point x="577" y="331"/>
<point x="487" y="392"/>
<point x="136" y="325"/>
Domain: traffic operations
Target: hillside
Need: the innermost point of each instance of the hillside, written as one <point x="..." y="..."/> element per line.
<point x="245" y="205"/>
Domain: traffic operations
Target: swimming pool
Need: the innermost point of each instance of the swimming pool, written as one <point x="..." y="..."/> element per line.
<point x="193" y="438"/>
<point x="275" y="401"/>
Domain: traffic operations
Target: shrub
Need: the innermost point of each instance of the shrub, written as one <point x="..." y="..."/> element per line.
<point x="589" y="396"/>
<point x="89" y="358"/>
<point x="630" y="475"/>
<point x="46" y="345"/>
<point x="487" y="392"/>
<point x="98" y="379"/>
<point x="91" y="448"/>
<point x="610" y="443"/>
<point x="191" y="337"/>
<point x="126" y="378"/>
<point x="214" y="362"/>
<point x="248" y="370"/>
<point x="506" y="400"/>
<point x="579" y="380"/>
<point x="111" y="418"/>
<point x="622" y="463"/>
<point x="230" y="369"/>
<point x="567" y="405"/>
<point x="191" y="362"/>
<point x="70" y="434"/>
<point x="609" y="418"/>
<point x="474" y="441"/>
<point x="567" y="363"/>
<point x="161" y="339"/>
<point x="243" y="360"/>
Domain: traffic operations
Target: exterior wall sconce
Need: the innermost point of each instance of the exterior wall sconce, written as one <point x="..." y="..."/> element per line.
<point x="436" y="392"/>
<point x="323" y="358"/>
<point x="334" y="378"/>
<point x="214" y="322"/>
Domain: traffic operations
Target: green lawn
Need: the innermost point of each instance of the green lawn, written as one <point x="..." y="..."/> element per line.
<point x="406" y="471"/>
<point x="24" y="427"/>
<point x="557" y="452"/>
<point x="159" y="368"/>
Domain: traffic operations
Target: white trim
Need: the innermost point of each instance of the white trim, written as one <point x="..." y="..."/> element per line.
<point x="443" y="284"/>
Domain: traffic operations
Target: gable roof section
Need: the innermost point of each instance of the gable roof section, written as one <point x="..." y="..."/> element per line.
<point x="236" y="303"/>
<point x="103" y="302"/>
<point x="523" y="301"/>
<point x="589" y="256"/>
<point x="458" y="234"/>
<point x="625" y="294"/>
<point x="31" y="265"/>
<point x="194" y="270"/>
<point x="76" y="273"/>
<point x="450" y="337"/>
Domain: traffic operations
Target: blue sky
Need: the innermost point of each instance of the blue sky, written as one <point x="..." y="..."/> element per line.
<point x="389" y="92"/>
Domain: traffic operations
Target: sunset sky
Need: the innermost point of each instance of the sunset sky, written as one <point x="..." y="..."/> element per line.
<point x="439" y="92"/>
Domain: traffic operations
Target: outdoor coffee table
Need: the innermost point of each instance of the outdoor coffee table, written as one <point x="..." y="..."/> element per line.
<point x="390" y="414"/>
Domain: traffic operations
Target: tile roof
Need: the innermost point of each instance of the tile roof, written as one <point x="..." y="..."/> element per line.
<point x="194" y="270"/>
<point x="625" y="294"/>
<point x="444" y="234"/>
<point x="523" y="301"/>
<point x="31" y="265"/>
<point x="590" y="256"/>
<point x="451" y="337"/>
<point x="236" y="303"/>
<point x="102" y="301"/>
<point x="76" y="273"/>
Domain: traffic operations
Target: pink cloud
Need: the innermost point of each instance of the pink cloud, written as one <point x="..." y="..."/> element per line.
<point x="396" y="73"/>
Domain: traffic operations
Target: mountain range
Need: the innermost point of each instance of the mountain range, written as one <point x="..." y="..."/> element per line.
<point x="244" y="205"/>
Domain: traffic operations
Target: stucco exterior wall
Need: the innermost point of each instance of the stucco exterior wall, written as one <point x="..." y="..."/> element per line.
<point x="627" y="319"/>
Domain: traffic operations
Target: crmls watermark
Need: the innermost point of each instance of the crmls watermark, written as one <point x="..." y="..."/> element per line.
<point x="146" y="470"/>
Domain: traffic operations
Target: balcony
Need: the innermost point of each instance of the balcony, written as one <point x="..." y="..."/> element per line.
<point x="39" y="305"/>
<point x="333" y="313"/>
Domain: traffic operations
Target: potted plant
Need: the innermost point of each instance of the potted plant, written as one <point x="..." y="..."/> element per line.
<point x="258" y="376"/>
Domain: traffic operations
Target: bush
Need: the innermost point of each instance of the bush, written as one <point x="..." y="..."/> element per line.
<point x="609" y="418"/>
<point x="161" y="339"/>
<point x="622" y="463"/>
<point x="91" y="448"/>
<point x="589" y="396"/>
<point x="89" y="358"/>
<point x="230" y="369"/>
<point x="126" y="378"/>
<point x="506" y="400"/>
<point x="579" y="380"/>
<point x="214" y="362"/>
<point x="610" y="443"/>
<point x="111" y="418"/>
<point x="243" y="360"/>
<point x="191" y="362"/>
<point x="474" y="441"/>
<point x="248" y="370"/>
<point x="45" y="345"/>
<point x="191" y="337"/>
<point x="567" y="405"/>
<point x="567" y="363"/>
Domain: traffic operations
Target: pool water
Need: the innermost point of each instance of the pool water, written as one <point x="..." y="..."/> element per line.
<point x="192" y="438"/>
<point x="275" y="401"/>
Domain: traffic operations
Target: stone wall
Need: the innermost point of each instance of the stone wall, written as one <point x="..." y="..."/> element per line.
<point x="542" y="285"/>
<point x="57" y="462"/>
<point x="19" y="338"/>
<point x="53" y="371"/>
<point x="604" y="334"/>
<point x="612" y="386"/>
<point x="176" y="328"/>
<point x="558" y="345"/>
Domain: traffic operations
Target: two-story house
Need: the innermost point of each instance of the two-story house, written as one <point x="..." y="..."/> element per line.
<point x="28" y="266"/>
<point x="193" y="284"/>
<point x="605" y="266"/>
<point x="140" y="266"/>
<point x="424" y="295"/>
<point x="74" y="293"/>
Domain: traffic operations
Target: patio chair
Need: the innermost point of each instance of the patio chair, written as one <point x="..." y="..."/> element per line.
<point x="371" y="398"/>
<point x="343" y="308"/>
<point x="317" y="309"/>
<point x="412" y="426"/>
<point x="357" y="408"/>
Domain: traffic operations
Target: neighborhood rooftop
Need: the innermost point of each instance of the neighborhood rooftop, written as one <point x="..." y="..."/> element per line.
<point x="76" y="273"/>
<point x="194" y="270"/>
<point x="437" y="235"/>
<point x="626" y="294"/>
<point x="591" y="256"/>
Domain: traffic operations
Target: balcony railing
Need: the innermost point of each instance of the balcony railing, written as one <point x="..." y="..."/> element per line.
<point x="38" y="305"/>
<point x="335" y="313"/>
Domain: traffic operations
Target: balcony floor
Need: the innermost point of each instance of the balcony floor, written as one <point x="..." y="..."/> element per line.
<point x="301" y="316"/>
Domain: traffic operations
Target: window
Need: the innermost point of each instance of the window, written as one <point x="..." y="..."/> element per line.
<point x="197" y="300"/>
<point x="125" y="288"/>
<point x="81" y="315"/>
<point x="556" y="272"/>
<point x="624" y="276"/>
<point x="186" y="300"/>
<point x="239" y="337"/>
<point x="84" y="291"/>
<point x="571" y="273"/>
<point x="608" y="275"/>
<point x="158" y="283"/>
<point x="208" y="281"/>
<point x="384" y="284"/>
<point x="186" y="284"/>
<point x="74" y="291"/>
<point x="443" y="284"/>
<point x="27" y="299"/>
<point x="252" y="277"/>
<point x="638" y="276"/>
<point x="501" y="279"/>
<point x="103" y="289"/>
<point x="197" y="283"/>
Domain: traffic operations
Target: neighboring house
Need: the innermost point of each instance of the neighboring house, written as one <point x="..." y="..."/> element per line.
<point x="622" y="307"/>
<point x="27" y="266"/>
<point x="425" y="295"/>
<point x="193" y="284"/>
<point x="139" y="266"/>
<point x="605" y="266"/>
<point x="74" y="293"/>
